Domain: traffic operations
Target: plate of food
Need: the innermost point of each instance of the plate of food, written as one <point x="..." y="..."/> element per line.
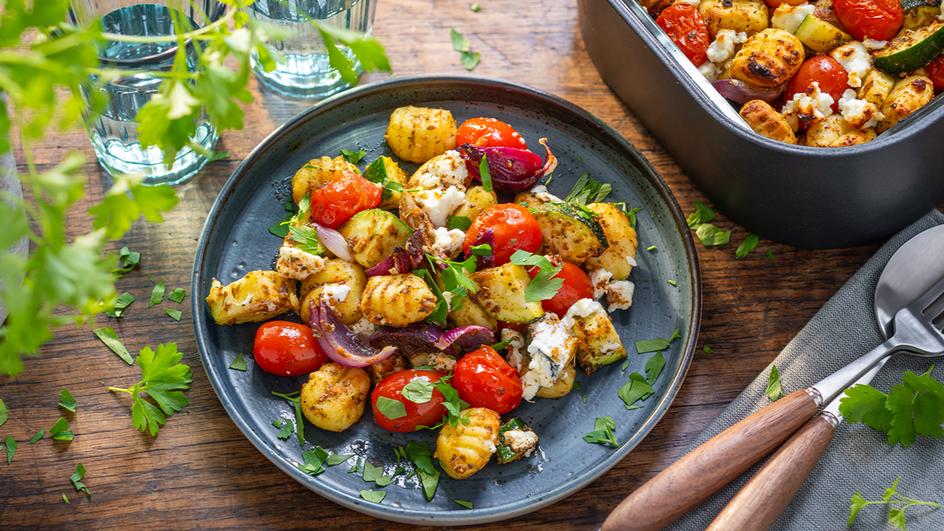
<point x="445" y="300"/>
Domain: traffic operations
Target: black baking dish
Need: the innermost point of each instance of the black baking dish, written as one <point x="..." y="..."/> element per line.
<point x="805" y="196"/>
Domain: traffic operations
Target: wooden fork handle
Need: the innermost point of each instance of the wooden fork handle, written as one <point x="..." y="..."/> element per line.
<point x="693" y="478"/>
<point x="766" y="495"/>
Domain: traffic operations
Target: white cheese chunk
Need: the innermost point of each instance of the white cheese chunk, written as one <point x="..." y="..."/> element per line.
<point x="335" y="292"/>
<point x="722" y="48"/>
<point x="619" y="295"/>
<point x="521" y="442"/>
<point x="873" y="44"/>
<point x="855" y="59"/>
<point x="600" y="278"/>
<point x="788" y="18"/>
<point x="296" y="263"/>
<point x="551" y="349"/>
<point x="444" y="171"/>
<point x="805" y="106"/>
<point x="859" y="114"/>
<point x="448" y="241"/>
<point x="709" y="70"/>
<point x="440" y="204"/>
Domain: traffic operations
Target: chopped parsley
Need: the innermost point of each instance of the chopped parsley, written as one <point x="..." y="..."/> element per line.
<point x="602" y="432"/>
<point x="353" y="156"/>
<point x="418" y="391"/>
<point x="463" y="503"/>
<point x="376" y="172"/>
<point x="60" y="430"/>
<point x="375" y="474"/>
<point x="654" y="367"/>
<point x="702" y="214"/>
<point x="374" y="496"/>
<point x="239" y="363"/>
<point x="774" y="389"/>
<point x="76" y="479"/>
<point x="485" y="174"/>
<point x="711" y="236"/>
<point x="37" y="436"/>
<point x="481" y="250"/>
<point x="121" y="304"/>
<point x="66" y="400"/>
<point x="306" y="239"/>
<point x="545" y="284"/>
<point x="177" y="295"/>
<point x="707" y="349"/>
<point x="635" y="390"/>
<point x="11" y="449"/>
<point x="108" y="336"/>
<point x="299" y="418"/>
<point x="475" y="8"/>
<point x="467" y="57"/>
<point x="4" y="414"/>
<point x="280" y="228"/>
<point x="173" y="314"/>
<point x="441" y="310"/>
<point x="588" y="190"/>
<point x="157" y="294"/>
<point x="390" y="407"/>
<point x="127" y="260"/>
<point x="747" y="246"/>
<point x="285" y="428"/>
<point x="652" y="248"/>
<point x="658" y="344"/>
<point x="422" y="458"/>
<point x="672" y="282"/>
<point x="458" y="222"/>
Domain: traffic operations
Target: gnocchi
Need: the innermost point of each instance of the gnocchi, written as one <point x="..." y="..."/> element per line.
<point x="464" y="449"/>
<point x="417" y="134"/>
<point x="334" y="397"/>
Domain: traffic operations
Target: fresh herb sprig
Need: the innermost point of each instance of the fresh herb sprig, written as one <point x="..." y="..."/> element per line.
<point x="896" y="504"/>
<point x="602" y="432"/>
<point x="774" y="390"/>
<point x="545" y="284"/>
<point x="160" y="392"/>
<point x="588" y="190"/>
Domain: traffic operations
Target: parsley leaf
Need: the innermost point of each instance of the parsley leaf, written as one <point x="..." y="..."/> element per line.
<point x="463" y="503"/>
<point x="458" y="222"/>
<point x="65" y="499"/>
<point x="285" y="428"/>
<point x="896" y="503"/>
<point x="632" y="215"/>
<point x="913" y="407"/>
<point x="485" y="173"/>
<point x="702" y="214"/>
<point x="337" y="459"/>
<point x="602" y="432"/>
<point x="239" y="363"/>
<point x="37" y="436"/>
<point x="654" y="367"/>
<point x="127" y="260"/>
<point x="461" y="44"/>
<point x="588" y="190"/>
<point x="375" y="496"/>
<point x="11" y="449"/>
<point x="160" y="393"/>
<point x="177" y="295"/>
<point x="391" y="408"/>
<point x="4" y="414"/>
<point x="481" y="250"/>
<point x="367" y="50"/>
<point x="157" y="294"/>
<point x="299" y="417"/>
<point x="353" y="156"/>
<point x="280" y="228"/>
<point x="419" y="390"/>
<point x="545" y="284"/>
<point x="108" y="336"/>
<point x="173" y="314"/>
<point x="456" y="280"/>
<point x="60" y="430"/>
<point x="375" y="474"/>
<point x="121" y="303"/>
<point x="76" y="479"/>
<point x="774" y="389"/>
<point x="453" y="404"/>
<point x="747" y="246"/>
<point x="313" y="461"/>
<point x="376" y="172"/>
<point x="306" y="239"/>
<point x="711" y="236"/>
<point x="658" y="344"/>
<point x="441" y="310"/>
<point x="708" y="349"/>
<point x="422" y="458"/>
<point x="66" y="400"/>
<point x="638" y="388"/>
<point x="475" y="8"/>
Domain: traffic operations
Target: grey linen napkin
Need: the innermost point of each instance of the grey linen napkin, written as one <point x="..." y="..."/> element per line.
<point x="858" y="459"/>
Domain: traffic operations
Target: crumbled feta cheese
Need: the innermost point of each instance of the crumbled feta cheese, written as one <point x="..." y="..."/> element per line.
<point x="859" y="114"/>
<point x="580" y="309"/>
<point x="811" y="105"/>
<point x="722" y="48"/>
<point x="521" y="442"/>
<point x="551" y="349"/>
<point x="489" y="445"/>
<point x="515" y="349"/>
<point x="335" y="292"/>
<point x="788" y="18"/>
<point x="709" y="70"/>
<point x="873" y="44"/>
<point x="363" y="327"/>
<point x="540" y="191"/>
<point x="439" y="204"/>
<point x="619" y="295"/>
<point x="444" y="171"/>
<point x="448" y="241"/>
<point x="631" y="261"/>
<point x="296" y="263"/>
<point x="600" y="278"/>
<point x="855" y="59"/>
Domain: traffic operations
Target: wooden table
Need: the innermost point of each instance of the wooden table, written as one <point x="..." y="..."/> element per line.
<point x="201" y="471"/>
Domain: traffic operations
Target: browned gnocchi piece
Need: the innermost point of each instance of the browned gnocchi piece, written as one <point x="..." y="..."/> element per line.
<point x="767" y="59"/>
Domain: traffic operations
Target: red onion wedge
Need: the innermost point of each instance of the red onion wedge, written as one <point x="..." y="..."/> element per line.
<point x="341" y="344"/>
<point x="740" y="92"/>
<point x="334" y="242"/>
<point x="403" y="259"/>
<point x="512" y="169"/>
<point x="466" y="338"/>
<point x="487" y="236"/>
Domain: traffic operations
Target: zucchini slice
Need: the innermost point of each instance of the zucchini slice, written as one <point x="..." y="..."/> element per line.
<point x="501" y="294"/>
<point x="914" y="4"/>
<point x="820" y="35"/>
<point x="374" y="234"/>
<point x="570" y="231"/>
<point x="911" y="49"/>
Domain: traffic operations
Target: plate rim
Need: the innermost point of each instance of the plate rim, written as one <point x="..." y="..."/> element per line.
<point x="463" y="517"/>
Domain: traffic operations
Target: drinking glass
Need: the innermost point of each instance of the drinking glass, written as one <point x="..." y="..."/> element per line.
<point x="304" y="70"/>
<point x="114" y="133"/>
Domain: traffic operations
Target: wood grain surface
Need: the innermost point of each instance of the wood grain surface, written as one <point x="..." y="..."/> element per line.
<point x="201" y="471"/>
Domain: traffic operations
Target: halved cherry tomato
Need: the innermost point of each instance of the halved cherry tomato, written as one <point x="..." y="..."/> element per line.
<point x="417" y="414"/>
<point x="484" y="379"/>
<point x="870" y="19"/>
<point x="684" y="25"/>
<point x="489" y="132"/>
<point x="935" y="71"/>
<point x="346" y="195"/>
<point x="512" y="226"/>
<point x="576" y="286"/>
<point x="824" y="70"/>
<point x="285" y="348"/>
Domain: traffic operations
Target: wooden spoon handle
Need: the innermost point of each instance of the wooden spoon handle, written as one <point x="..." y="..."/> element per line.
<point x="714" y="464"/>
<point x="766" y="495"/>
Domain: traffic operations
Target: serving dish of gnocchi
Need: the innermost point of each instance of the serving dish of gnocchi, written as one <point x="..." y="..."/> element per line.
<point x="824" y="73"/>
<point x="444" y="325"/>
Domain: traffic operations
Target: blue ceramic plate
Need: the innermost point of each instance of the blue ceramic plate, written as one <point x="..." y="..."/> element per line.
<point x="235" y="240"/>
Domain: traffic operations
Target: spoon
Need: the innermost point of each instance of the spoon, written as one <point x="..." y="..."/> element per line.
<point x="715" y="463"/>
<point x="911" y="271"/>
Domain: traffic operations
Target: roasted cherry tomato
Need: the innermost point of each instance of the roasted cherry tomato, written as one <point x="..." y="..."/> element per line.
<point x="870" y="19"/>
<point x="417" y="414"/>
<point x="684" y="25"/>
<point x="507" y="227"/>
<point x="576" y="286"/>
<point x="346" y="195"/>
<point x="489" y="132"/>
<point x="935" y="71"/>
<point x="285" y="348"/>
<point x="484" y="379"/>
<point x="824" y="70"/>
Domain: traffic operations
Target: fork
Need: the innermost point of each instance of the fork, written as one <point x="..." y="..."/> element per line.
<point x="718" y="461"/>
